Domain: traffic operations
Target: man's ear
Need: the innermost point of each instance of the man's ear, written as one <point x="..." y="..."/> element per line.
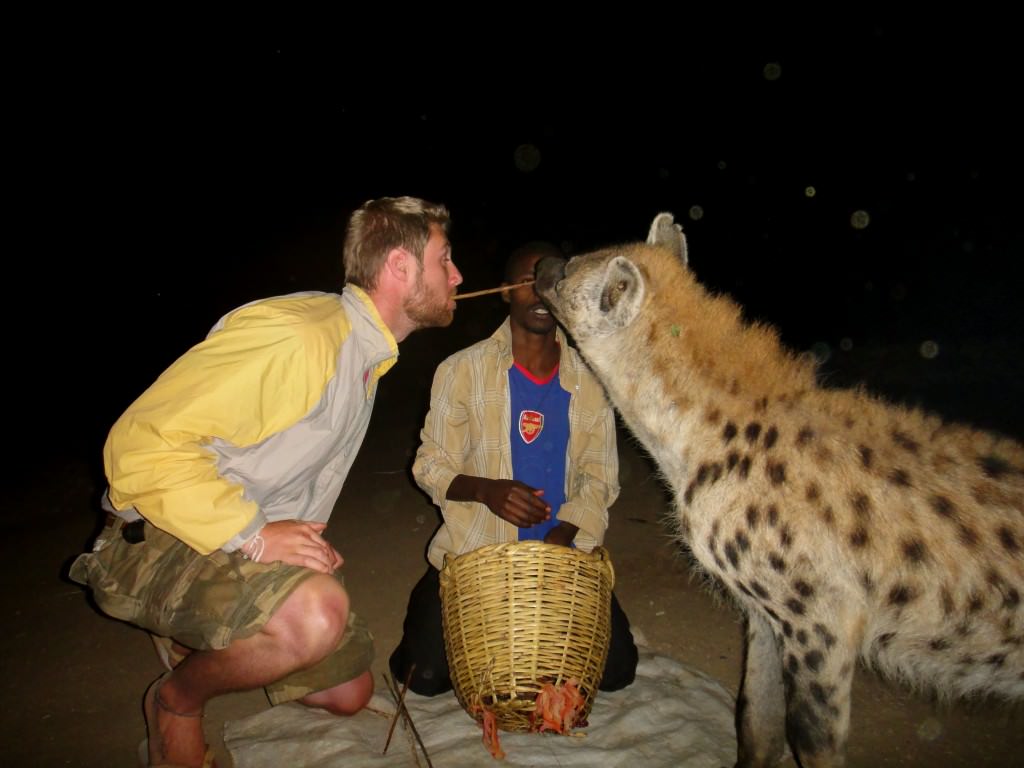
<point x="504" y="295"/>
<point x="398" y="263"/>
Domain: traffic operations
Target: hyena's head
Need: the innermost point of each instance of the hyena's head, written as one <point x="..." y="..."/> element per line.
<point x="599" y="294"/>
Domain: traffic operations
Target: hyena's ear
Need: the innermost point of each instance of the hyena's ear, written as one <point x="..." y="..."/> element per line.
<point x="666" y="233"/>
<point x="622" y="292"/>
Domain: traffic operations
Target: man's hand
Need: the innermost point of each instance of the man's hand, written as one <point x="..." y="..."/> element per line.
<point x="299" y="543"/>
<point x="510" y="500"/>
<point x="515" y="502"/>
<point x="562" y="534"/>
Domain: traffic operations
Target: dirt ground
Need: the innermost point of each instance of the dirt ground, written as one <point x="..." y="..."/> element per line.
<point x="73" y="679"/>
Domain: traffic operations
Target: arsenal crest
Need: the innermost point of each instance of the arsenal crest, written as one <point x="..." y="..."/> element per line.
<point x="531" y="423"/>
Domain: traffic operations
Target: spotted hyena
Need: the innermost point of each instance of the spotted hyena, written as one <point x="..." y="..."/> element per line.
<point x="844" y="526"/>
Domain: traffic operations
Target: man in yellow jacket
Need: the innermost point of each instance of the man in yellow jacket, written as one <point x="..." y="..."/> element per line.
<point x="223" y="474"/>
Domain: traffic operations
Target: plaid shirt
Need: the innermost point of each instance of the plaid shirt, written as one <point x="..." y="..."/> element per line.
<point x="467" y="432"/>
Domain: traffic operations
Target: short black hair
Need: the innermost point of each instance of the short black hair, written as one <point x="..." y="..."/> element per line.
<point x="532" y="248"/>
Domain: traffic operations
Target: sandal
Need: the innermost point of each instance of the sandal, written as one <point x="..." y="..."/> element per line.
<point x="148" y="709"/>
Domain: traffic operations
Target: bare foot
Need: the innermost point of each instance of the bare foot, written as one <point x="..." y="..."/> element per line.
<point x="174" y="737"/>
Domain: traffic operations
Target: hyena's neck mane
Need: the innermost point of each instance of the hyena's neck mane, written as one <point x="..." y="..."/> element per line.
<point x="700" y="345"/>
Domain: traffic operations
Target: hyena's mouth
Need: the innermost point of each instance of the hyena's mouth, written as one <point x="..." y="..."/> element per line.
<point x="549" y="273"/>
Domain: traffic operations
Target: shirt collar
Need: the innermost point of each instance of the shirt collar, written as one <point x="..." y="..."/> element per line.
<point x="503" y="335"/>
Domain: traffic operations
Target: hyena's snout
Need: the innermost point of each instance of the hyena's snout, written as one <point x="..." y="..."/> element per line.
<point x="548" y="272"/>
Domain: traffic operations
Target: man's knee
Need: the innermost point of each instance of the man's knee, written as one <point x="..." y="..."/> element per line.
<point x="430" y="681"/>
<point x="620" y="666"/>
<point x="617" y="677"/>
<point x="312" y="619"/>
<point x="345" y="699"/>
<point x="429" y="678"/>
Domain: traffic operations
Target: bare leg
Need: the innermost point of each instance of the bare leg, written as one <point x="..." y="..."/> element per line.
<point x="164" y="723"/>
<point x="345" y="699"/>
<point x="304" y="630"/>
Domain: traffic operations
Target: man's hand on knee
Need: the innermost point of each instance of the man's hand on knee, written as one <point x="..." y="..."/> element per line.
<point x="299" y="543"/>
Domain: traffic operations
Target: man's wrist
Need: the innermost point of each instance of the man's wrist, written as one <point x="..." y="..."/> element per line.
<point x="465" y="488"/>
<point x="252" y="548"/>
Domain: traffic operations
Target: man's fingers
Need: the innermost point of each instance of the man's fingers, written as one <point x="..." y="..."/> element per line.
<point x="532" y="507"/>
<point x="528" y="500"/>
<point x="300" y="543"/>
<point x="313" y="537"/>
<point x="524" y="518"/>
<point x="306" y="547"/>
<point x="317" y="560"/>
<point x="517" y="518"/>
<point x="315" y="564"/>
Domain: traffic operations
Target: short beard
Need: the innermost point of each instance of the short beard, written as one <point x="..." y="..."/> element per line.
<point x="425" y="310"/>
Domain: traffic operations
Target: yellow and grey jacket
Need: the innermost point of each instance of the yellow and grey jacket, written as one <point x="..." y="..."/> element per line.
<point x="467" y="432"/>
<point x="259" y="422"/>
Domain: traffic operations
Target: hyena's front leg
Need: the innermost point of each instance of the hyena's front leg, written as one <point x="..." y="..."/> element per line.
<point x="760" y="717"/>
<point x="817" y="670"/>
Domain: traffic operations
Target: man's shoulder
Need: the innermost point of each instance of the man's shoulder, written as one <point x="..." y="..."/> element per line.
<point x="480" y="350"/>
<point x="305" y="308"/>
<point x="304" y="318"/>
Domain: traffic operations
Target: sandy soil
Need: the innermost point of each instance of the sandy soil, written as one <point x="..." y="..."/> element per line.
<point x="73" y="679"/>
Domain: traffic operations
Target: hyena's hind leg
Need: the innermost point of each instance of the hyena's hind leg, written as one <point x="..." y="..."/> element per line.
<point x="760" y="706"/>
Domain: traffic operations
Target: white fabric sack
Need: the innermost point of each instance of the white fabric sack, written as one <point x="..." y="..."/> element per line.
<point x="671" y="716"/>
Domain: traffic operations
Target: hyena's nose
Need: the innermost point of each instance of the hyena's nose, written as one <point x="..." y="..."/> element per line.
<point x="548" y="272"/>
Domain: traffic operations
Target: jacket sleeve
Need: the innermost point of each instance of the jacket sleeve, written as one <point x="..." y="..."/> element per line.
<point x="256" y="376"/>
<point x="593" y="474"/>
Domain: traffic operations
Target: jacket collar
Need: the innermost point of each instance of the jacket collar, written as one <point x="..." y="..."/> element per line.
<point x="384" y="352"/>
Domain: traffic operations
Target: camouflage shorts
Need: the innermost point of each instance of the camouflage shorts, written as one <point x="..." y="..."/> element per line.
<point x="207" y="601"/>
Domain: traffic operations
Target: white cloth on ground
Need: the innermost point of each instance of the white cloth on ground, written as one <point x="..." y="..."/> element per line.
<point x="671" y="717"/>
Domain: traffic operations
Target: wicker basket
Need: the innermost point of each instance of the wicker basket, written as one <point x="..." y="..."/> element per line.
<point x="522" y="614"/>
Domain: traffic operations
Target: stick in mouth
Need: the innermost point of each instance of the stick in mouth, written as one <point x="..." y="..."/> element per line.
<point x="492" y="290"/>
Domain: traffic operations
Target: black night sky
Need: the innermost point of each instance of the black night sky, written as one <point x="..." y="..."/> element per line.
<point x="856" y="184"/>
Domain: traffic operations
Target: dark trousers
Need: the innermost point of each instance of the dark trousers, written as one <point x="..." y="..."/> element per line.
<point x="423" y="644"/>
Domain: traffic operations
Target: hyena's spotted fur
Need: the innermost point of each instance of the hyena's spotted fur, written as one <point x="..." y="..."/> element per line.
<point x="844" y="526"/>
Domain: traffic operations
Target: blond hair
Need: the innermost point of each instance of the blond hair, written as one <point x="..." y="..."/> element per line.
<point x="379" y="226"/>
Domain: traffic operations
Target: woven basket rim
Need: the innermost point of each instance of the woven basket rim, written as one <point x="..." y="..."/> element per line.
<point x="518" y="547"/>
